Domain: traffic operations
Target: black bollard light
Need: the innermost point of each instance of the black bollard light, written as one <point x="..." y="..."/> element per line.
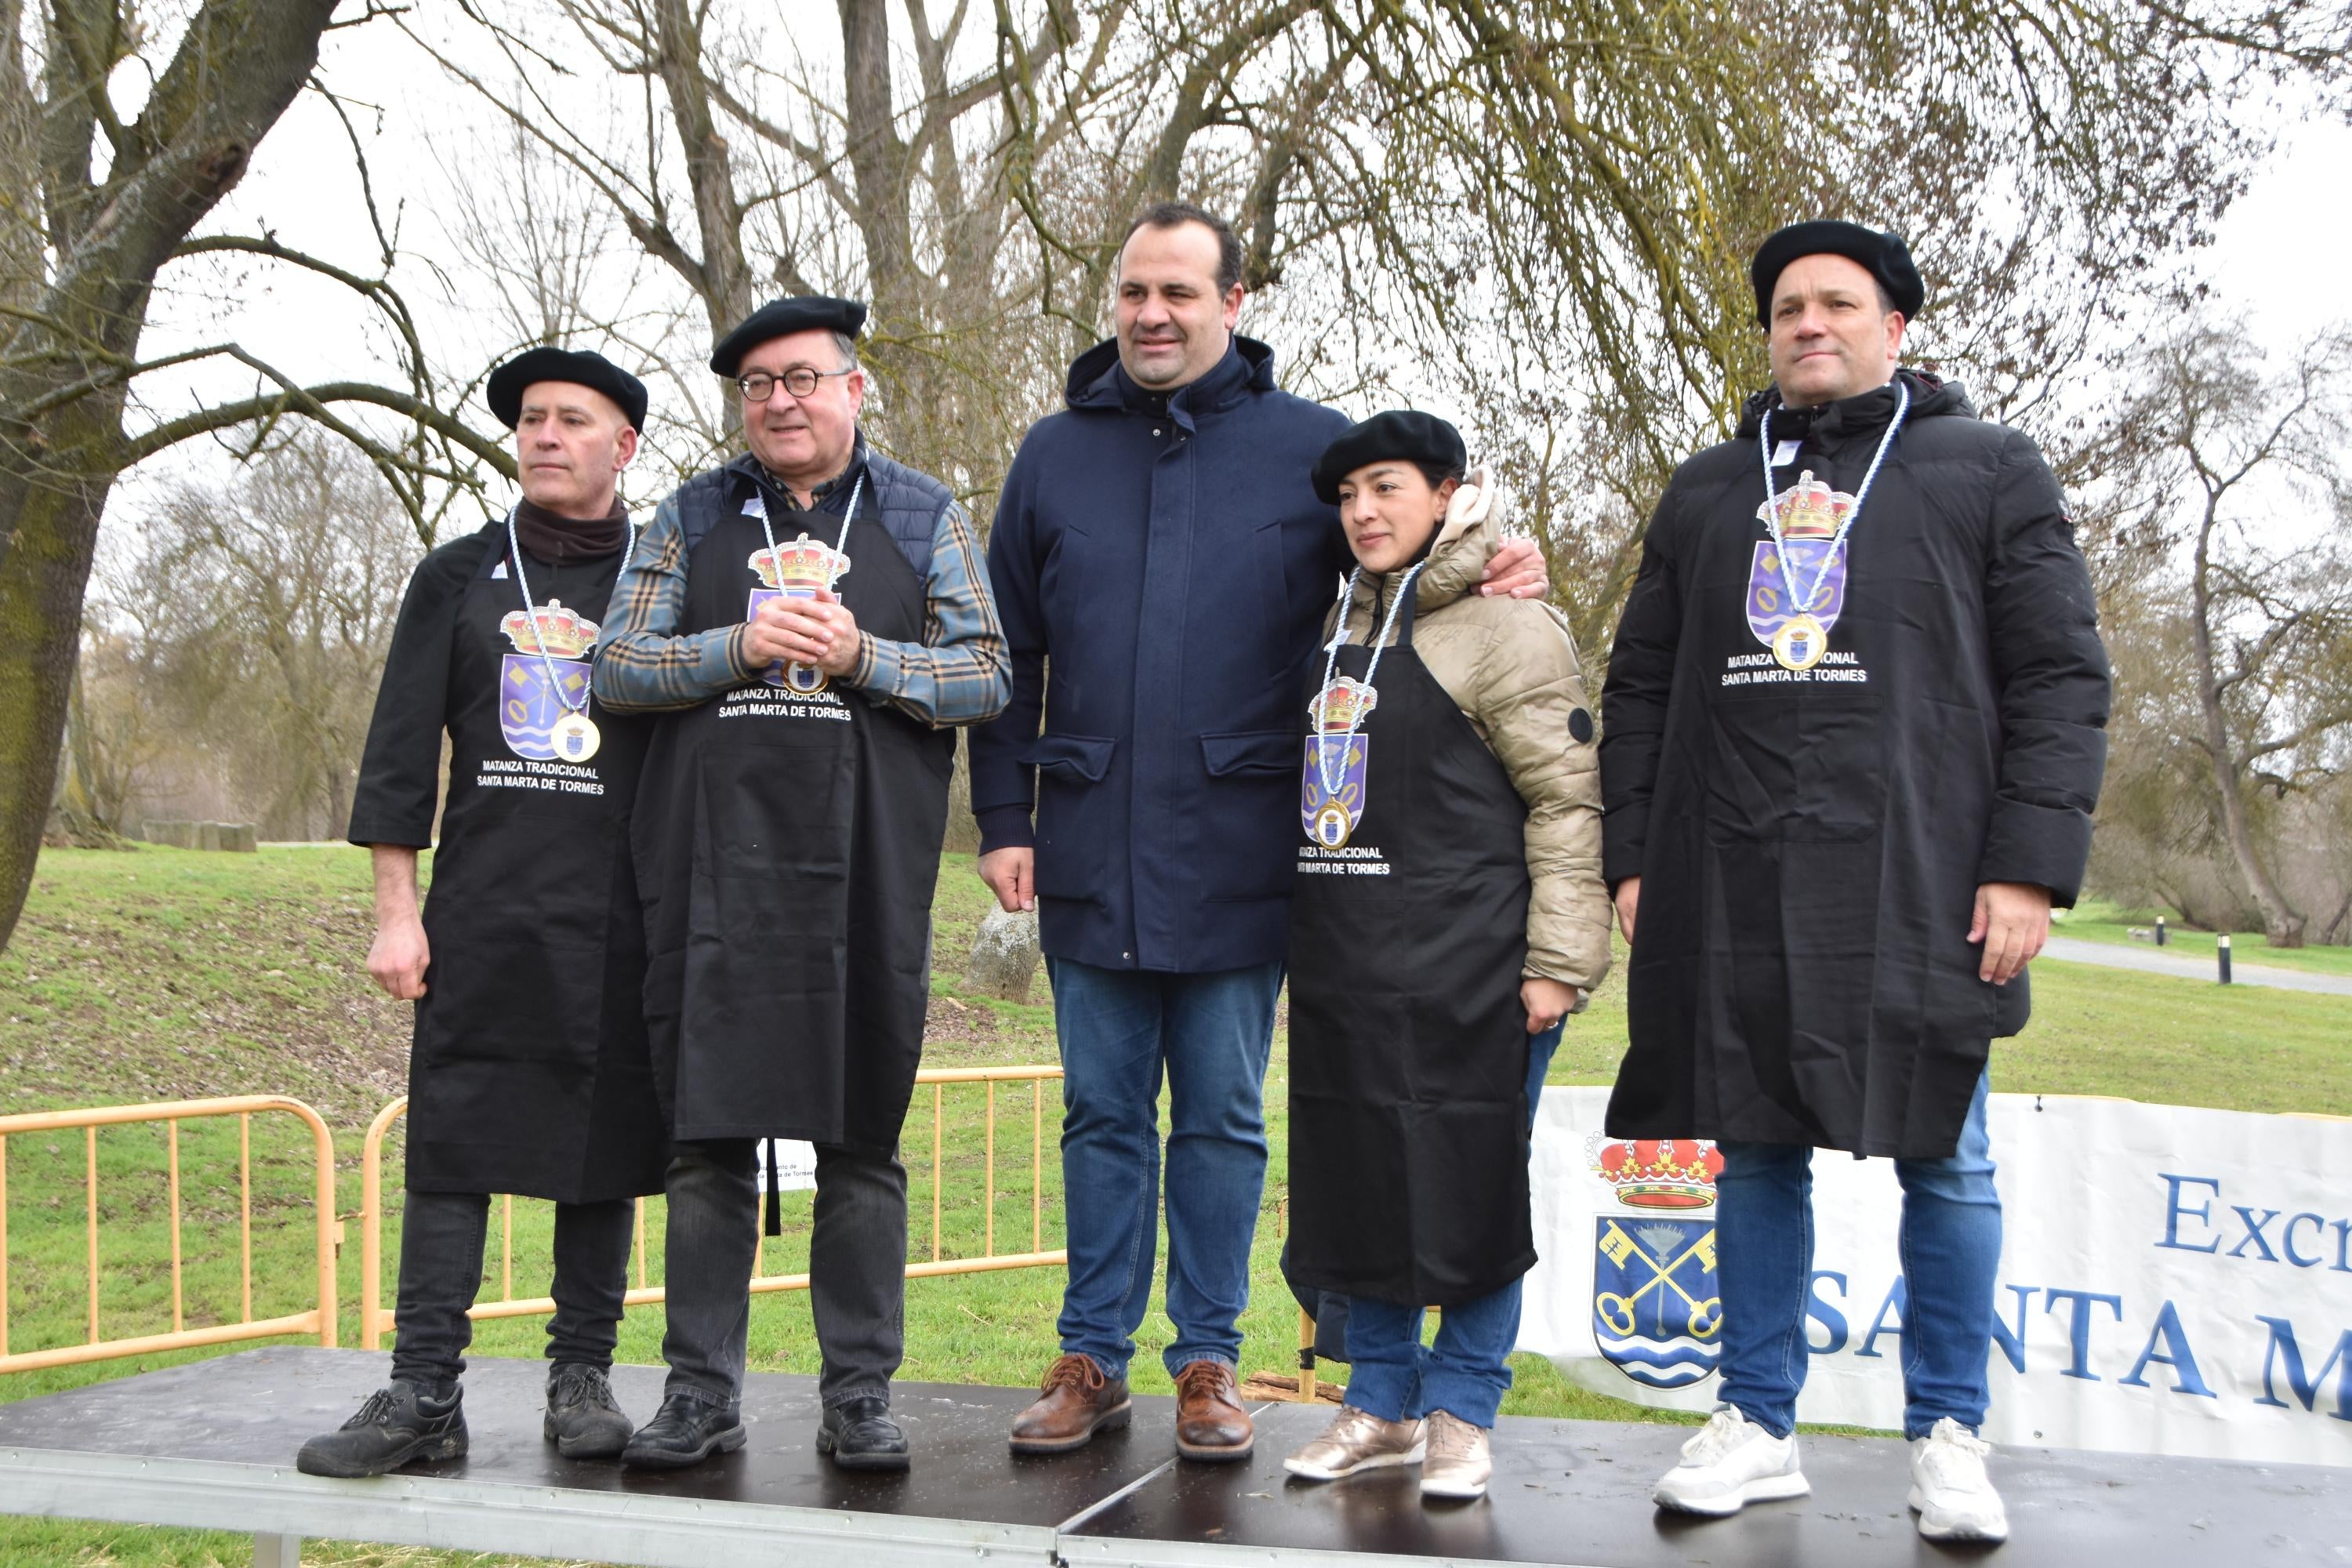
<point x="2222" y="948"/>
<point x="2159" y="930"/>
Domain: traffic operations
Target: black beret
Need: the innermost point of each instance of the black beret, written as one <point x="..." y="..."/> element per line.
<point x="593" y="370"/>
<point x="1399" y="435"/>
<point x="1881" y="255"/>
<point x="782" y="318"/>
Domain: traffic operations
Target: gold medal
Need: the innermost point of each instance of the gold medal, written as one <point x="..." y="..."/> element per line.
<point x="1333" y="824"/>
<point x="1800" y="643"/>
<point x="575" y="737"/>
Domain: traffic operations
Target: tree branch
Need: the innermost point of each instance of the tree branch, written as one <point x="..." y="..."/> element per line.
<point x="313" y="401"/>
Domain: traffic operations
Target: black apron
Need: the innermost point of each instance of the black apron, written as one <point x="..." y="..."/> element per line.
<point x="529" y="1072"/>
<point x="789" y="846"/>
<point x="1408" y="1041"/>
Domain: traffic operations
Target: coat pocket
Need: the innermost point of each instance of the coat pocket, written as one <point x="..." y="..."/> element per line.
<point x="1074" y="757"/>
<point x="1246" y="830"/>
<point x="1250" y="752"/>
<point x="1077" y="831"/>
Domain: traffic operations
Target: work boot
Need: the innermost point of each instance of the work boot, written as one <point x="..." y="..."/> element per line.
<point x="858" y="1435"/>
<point x="684" y="1431"/>
<point x="1731" y="1463"/>
<point x="399" y="1423"/>
<point x="1210" y="1421"/>
<point x="583" y="1421"/>
<point x="1949" y="1489"/>
<point x="1357" y="1441"/>
<point x="1459" y="1464"/>
<point x="1076" y="1402"/>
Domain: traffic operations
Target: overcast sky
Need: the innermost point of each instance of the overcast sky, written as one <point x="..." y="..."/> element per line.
<point x="2282" y="251"/>
<point x="2279" y="255"/>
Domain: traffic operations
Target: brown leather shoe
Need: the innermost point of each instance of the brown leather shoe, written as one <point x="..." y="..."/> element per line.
<point x="1210" y="1421"/>
<point x="1076" y="1402"/>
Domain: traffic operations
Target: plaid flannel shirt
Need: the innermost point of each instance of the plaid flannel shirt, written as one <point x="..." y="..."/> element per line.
<point x="959" y="674"/>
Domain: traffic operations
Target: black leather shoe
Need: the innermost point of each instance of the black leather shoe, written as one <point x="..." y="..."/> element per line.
<point x="583" y="1421"/>
<point x="684" y="1432"/>
<point x="398" y="1424"/>
<point x="858" y="1435"/>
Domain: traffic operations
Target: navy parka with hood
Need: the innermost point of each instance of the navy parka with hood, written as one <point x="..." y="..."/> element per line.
<point x="1168" y="555"/>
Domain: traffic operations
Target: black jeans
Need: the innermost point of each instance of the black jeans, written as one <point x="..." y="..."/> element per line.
<point x="441" y="1269"/>
<point x="858" y="1270"/>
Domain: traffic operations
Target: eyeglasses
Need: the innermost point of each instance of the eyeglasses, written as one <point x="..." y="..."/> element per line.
<point x="799" y="381"/>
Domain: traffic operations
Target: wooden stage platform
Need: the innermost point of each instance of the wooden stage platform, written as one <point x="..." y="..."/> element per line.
<point x="212" y="1444"/>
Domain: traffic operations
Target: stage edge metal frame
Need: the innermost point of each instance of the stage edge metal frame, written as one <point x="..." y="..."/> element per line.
<point x="280" y="1506"/>
<point x="1104" y="1552"/>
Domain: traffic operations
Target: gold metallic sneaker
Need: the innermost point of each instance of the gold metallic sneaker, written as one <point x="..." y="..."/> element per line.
<point x="1357" y="1441"/>
<point x="1458" y="1464"/>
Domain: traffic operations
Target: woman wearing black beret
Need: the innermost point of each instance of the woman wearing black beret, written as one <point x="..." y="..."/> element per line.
<point x="1449" y="913"/>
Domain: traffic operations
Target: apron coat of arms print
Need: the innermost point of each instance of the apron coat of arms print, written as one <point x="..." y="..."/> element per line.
<point x="799" y="569"/>
<point x="1657" y="1309"/>
<point x="530" y="700"/>
<point x="1810" y="514"/>
<point x="1331" y="799"/>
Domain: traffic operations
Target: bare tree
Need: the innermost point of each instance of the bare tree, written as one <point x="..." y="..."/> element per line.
<point x="2260" y="634"/>
<point x="108" y="743"/>
<point x="262" y="608"/>
<point x="1582" y="186"/>
<point x="95" y="202"/>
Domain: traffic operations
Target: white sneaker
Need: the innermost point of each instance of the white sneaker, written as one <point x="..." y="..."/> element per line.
<point x="1949" y="1489"/>
<point x="1731" y="1463"/>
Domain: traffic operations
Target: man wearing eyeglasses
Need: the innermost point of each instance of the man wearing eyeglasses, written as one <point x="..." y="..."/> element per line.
<point x="810" y="619"/>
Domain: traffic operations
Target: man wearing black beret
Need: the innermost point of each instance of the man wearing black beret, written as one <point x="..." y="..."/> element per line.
<point x="810" y="620"/>
<point x="529" y="1072"/>
<point x="1854" y="732"/>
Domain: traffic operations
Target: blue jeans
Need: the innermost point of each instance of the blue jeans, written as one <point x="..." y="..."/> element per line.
<point x="1118" y="1028"/>
<point x="1391" y="1374"/>
<point x="1951" y="1245"/>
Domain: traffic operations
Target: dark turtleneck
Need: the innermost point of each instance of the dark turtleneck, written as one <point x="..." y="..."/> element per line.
<point x="559" y="541"/>
<point x="1864" y="414"/>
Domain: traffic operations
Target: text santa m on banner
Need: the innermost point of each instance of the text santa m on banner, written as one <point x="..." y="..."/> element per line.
<point x="2172" y="1281"/>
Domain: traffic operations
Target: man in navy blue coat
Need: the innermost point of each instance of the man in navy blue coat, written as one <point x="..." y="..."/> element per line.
<point x="1161" y="542"/>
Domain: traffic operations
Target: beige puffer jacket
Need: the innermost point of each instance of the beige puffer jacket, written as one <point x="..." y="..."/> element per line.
<point x="1511" y="666"/>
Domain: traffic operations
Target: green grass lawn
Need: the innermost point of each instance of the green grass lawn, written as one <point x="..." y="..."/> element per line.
<point x="160" y="974"/>
<point x="2097" y="920"/>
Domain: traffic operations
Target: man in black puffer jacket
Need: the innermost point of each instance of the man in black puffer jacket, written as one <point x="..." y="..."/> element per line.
<point x="1854" y="734"/>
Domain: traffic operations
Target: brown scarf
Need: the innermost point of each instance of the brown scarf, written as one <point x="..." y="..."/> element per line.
<point x="561" y="540"/>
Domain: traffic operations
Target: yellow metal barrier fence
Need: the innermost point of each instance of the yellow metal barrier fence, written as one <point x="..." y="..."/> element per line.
<point x="318" y="1320"/>
<point x="374" y="1318"/>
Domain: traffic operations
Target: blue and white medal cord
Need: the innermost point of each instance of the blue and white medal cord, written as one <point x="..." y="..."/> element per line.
<point x="1804" y="604"/>
<point x="1331" y="663"/>
<point x="530" y="611"/>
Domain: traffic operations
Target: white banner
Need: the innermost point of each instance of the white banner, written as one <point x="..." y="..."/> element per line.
<point x="2172" y="1281"/>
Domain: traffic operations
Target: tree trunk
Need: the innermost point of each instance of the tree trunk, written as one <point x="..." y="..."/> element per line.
<point x="2336" y="922"/>
<point x="55" y="521"/>
<point x="77" y="815"/>
<point x="2283" y="924"/>
<point x="234" y="70"/>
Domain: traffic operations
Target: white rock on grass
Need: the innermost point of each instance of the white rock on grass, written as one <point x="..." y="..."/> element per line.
<point x="1004" y="956"/>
